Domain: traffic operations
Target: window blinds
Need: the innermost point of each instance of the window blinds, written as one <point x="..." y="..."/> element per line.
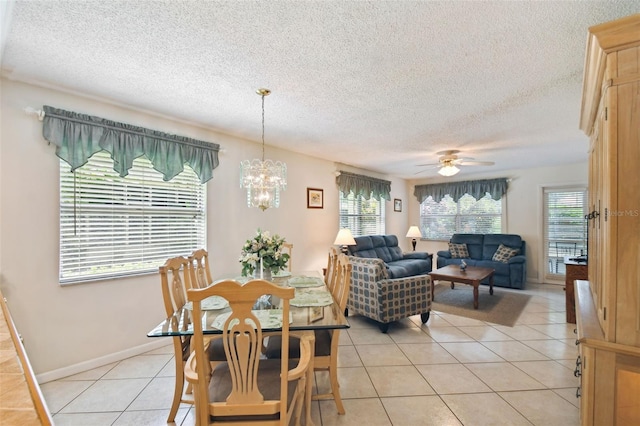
<point x="112" y="226"/>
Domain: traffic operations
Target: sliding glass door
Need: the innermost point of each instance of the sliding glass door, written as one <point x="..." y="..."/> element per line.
<point x="565" y="228"/>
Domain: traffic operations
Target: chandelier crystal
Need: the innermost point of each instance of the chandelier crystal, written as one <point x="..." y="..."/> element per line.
<point x="263" y="179"/>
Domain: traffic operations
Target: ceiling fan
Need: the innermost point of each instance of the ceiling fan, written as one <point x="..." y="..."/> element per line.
<point x="449" y="160"/>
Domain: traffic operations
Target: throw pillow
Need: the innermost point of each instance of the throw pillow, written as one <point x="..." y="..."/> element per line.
<point x="504" y="253"/>
<point x="458" y="251"/>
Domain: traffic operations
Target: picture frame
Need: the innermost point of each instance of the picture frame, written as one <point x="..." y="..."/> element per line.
<point x="397" y="205"/>
<point x="315" y="198"/>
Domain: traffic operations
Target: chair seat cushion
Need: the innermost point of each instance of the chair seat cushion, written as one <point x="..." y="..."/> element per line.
<point x="322" y="345"/>
<point x="268" y="384"/>
<point x="215" y="351"/>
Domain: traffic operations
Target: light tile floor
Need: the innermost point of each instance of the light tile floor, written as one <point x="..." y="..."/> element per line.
<point x="451" y="371"/>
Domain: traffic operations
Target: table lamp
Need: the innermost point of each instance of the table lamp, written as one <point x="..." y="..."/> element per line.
<point x="344" y="239"/>
<point x="413" y="233"/>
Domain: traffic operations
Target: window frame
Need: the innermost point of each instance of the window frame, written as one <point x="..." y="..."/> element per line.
<point x="136" y="216"/>
<point x="345" y="219"/>
<point x="458" y="217"/>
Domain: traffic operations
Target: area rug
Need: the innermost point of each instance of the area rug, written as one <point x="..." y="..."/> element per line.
<point x="503" y="308"/>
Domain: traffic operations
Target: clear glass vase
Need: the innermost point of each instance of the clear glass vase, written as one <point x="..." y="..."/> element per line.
<point x="266" y="273"/>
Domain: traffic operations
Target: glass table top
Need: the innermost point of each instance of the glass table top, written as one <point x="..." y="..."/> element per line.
<point x="312" y="308"/>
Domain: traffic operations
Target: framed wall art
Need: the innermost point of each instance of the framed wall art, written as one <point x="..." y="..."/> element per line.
<point x="315" y="198"/>
<point x="397" y="205"/>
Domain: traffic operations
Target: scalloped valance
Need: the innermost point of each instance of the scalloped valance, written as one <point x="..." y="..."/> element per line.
<point x="476" y="188"/>
<point x="79" y="136"/>
<point x="363" y="186"/>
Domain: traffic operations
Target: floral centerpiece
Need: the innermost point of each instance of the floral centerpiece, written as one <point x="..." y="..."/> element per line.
<point x="263" y="250"/>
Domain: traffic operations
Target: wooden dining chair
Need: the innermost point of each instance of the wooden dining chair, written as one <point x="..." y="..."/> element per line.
<point x="247" y="389"/>
<point x="174" y="278"/>
<point x="289" y="248"/>
<point x="326" y="341"/>
<point x="199" y="272"/>
<point x="332" y="266"/>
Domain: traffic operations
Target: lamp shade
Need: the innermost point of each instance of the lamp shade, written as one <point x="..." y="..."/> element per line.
<point x="414" y="232"/>
<point x="344" y="238"/>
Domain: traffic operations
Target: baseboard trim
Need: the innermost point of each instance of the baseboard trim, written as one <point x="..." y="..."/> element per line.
<point x="70" y="370"/>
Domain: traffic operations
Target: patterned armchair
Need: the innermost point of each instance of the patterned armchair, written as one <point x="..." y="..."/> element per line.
<point x="374" y="295"/>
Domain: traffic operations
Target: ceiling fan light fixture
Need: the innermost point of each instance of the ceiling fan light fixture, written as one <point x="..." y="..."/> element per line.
<point x="448" y="170"/>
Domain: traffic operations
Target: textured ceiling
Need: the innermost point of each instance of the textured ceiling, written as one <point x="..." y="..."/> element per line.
<point x="378" y="85"/>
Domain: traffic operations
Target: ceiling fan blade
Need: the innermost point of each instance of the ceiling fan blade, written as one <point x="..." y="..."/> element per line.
<point x="431" y="165"/>
<point x="476" y="163"/>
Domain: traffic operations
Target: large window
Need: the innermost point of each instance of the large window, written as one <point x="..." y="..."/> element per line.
<point x="112" y="226"/>
<point x="565" y="228"/>
<point x="439" y="221"/>
<point x="361" y="216"/>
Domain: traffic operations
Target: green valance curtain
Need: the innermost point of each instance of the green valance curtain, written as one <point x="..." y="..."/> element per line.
<point x="476" y="188"/>
<point x="364" y="186"/>
<point x="79" y="136"/>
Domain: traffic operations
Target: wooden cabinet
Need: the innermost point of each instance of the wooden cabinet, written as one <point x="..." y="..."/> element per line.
<point x="609" y="372"/>
<point x="608" y="307"/>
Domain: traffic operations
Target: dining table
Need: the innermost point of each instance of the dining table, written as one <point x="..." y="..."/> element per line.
<point x="312" y="308"/>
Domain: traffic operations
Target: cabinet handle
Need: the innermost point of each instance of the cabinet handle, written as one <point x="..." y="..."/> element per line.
<point x="577" y="372"/>
<point x="593" y="215"/>
<point x="578" y="392"/>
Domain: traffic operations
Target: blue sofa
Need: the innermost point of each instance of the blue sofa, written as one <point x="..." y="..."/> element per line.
<point x="398" y="264"/>
<point x="482" y="247"/>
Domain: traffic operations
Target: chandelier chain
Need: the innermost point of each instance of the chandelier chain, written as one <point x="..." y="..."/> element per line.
<point x="263" y="95"/>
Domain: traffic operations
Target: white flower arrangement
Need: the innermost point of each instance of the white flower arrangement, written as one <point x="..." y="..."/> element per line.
<point x="263" y="246"/>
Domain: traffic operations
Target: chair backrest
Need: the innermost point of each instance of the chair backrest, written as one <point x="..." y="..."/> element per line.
<point x="289" y="248"/>
<point x="199" y="272"/>
<point x="242" y="341"/>
<point x="342" y="284"/>
<point x="332" y="265"/>
<point x="174" y="279"/>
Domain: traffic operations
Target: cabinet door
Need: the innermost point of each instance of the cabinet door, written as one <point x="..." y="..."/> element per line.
<point x="587" y="391"/>
<point x="595" y="193"/>
<point x="627" y="396"/>
<point x="627" y="214"/>
<point x="608" y="222"/>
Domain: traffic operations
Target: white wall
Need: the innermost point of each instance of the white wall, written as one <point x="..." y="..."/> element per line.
<point x="68" y="328"/>
<point x="524" y="207"/>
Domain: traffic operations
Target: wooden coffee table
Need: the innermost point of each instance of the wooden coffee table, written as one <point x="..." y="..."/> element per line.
<point x="472" y="275"/>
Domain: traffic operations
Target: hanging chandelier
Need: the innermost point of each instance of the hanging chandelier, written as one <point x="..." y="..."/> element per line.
<point x="263" y="179"/>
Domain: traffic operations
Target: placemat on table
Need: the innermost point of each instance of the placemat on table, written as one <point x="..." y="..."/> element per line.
<point x="211" y="303"/>
<point x="302" y="281"/>
<point x="268" y="318"/>
<point x="306" y="297"/>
